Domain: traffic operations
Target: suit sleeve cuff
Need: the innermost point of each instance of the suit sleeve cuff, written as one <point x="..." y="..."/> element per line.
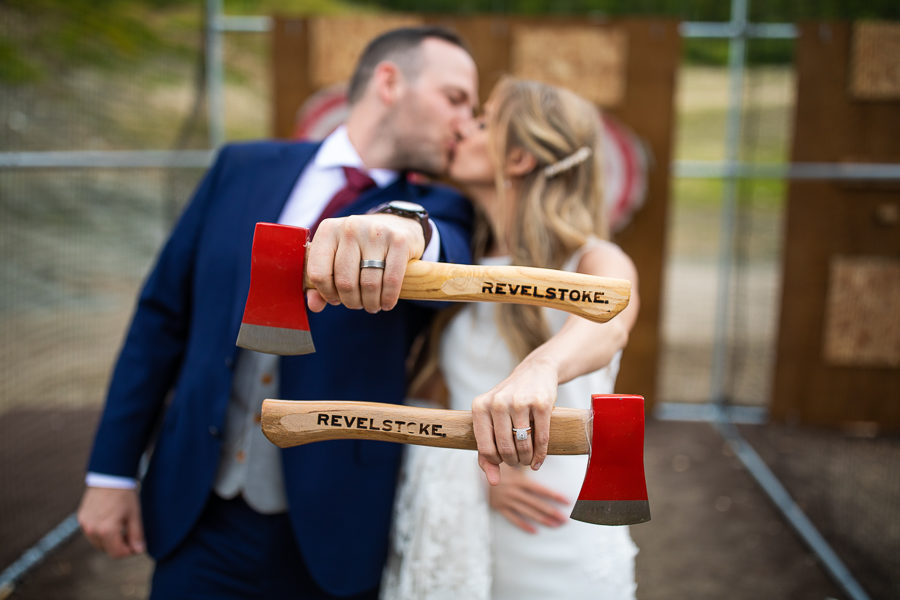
<point x="433" y="250"/>
<point x="110" y="481"/>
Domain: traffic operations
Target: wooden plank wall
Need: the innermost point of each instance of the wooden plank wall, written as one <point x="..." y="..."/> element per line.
<point x="834" y="228"/>
<point x="653" y="51"/>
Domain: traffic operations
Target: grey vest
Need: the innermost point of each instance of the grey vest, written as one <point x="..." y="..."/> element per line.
<point x="250" y="464"/>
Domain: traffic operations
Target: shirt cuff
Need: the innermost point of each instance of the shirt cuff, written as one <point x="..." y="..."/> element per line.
<point x="433" y="250"/>
<point x="110" y="481"/>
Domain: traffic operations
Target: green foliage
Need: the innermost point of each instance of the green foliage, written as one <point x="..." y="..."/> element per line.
<point x="64" y="34"/>
<point x="692" y="10"/>
<point x="759" y="52"/>
<point x="165" y="3"/>
<point x="770" y="52"/>
<point x="705" y="52"/>
<point x="697" y="51"/>
<point x="271" y="7"/>
<point x="15" y="69"/>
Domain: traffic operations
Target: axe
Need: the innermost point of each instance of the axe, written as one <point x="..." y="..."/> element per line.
<point x="614" y="491"/>
<point x="275" y="318"/>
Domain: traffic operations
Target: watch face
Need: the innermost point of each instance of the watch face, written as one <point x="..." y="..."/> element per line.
<point x="406" y="206"/>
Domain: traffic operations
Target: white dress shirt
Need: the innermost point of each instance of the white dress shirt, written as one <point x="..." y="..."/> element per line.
<point x="322" y="179"/>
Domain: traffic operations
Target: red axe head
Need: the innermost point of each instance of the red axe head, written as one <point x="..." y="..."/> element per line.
<point x="614" y="490"/>
<point x="275" y="314"/>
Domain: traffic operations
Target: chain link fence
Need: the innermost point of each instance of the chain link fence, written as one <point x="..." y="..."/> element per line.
<point x="77" y="243"/>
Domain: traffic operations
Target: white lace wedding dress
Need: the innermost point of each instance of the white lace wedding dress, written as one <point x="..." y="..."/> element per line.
<point x="447" y="543"/>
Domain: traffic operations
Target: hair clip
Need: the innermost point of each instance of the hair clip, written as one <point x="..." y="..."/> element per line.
<point x="576" y="158"/>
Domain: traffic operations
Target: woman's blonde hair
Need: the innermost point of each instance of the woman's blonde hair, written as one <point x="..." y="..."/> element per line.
<point x="558" y="206"/>
<point x="559" y="203"/>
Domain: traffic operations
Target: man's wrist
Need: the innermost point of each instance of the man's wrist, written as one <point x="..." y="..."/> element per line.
<point x="409" y="210"/>
<point x="102" y="480"/>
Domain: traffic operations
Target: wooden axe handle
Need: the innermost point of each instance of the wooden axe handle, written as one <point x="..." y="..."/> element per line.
<point x="291" y="423"/>
<point x="592" y="297"/>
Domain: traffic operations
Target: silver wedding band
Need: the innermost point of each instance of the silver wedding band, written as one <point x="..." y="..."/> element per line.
<point x="371" y="264"/>
<point x="521" y="433"/>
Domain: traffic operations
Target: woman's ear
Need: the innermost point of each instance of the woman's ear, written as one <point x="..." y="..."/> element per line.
<point x="519" y="162"/>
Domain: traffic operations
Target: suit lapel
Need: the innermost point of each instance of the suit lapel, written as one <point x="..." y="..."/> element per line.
<point x="280" y="181"/>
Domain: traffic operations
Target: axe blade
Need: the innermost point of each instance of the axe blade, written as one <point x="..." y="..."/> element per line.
<point x="615" y="490"/>
<point x="275" y="318"/>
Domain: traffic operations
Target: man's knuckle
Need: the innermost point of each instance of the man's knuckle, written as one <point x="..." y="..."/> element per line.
<point x="316" y="274"/>
<point x="398" y="243"/>
<point x="325" y="228"/>
<point x="393" y="281"/>
<point x="379" y="231"/>
<point x="368" y="285"/>
<point x="350" y="228"/>
<point x="343" y="284"/>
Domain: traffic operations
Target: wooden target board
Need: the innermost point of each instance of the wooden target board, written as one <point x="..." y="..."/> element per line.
<point x="837" y="357"/>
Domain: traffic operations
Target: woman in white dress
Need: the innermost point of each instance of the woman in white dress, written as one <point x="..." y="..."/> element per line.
<point x="532" y="168"/>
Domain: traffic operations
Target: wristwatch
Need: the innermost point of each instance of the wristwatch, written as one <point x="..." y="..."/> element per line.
<point x="410" y="210"/>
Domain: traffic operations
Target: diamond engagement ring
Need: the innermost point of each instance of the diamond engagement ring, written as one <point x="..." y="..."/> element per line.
<point x="371" y="264"/>
<point x="521" y="433"/>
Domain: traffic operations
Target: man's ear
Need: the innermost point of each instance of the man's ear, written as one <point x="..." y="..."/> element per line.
<point x="388" y="82"/>
<point x="519" y="162"/>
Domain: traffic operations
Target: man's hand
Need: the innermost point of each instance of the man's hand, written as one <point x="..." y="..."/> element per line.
<point x="340" y="244"/>
<point x="111" y="521"/>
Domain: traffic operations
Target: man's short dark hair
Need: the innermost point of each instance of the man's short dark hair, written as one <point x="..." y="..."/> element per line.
<point x="401" y="46"/>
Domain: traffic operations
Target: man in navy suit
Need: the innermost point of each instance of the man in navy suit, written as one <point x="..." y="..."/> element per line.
<point x="224" y="513"/>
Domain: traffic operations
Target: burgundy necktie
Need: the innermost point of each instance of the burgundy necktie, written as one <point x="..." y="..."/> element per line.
<point x="357" y="183"/>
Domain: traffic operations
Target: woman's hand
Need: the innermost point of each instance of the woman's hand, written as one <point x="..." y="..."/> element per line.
<point x="522" y="400"/>
<point x="524" y="502"/>
<point x="526" y="398"/>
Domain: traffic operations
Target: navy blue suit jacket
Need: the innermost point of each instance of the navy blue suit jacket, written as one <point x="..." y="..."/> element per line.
<point x="181" y="346"/>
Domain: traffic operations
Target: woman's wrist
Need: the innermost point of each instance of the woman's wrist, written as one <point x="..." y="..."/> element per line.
<point x="541" y="360"/>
